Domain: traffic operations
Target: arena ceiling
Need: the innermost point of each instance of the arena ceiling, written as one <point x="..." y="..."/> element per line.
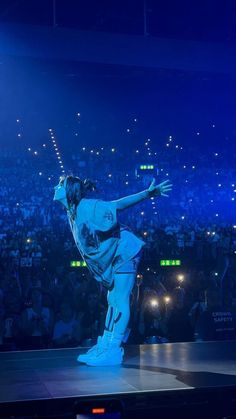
<point x="199" y="20"/>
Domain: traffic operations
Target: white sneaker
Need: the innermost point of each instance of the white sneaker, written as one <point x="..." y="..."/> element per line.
<point x="112" y="355"/>
<point x="92" y="351"/>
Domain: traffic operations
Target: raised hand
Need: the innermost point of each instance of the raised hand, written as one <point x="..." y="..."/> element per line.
<point x="161" y="189"/>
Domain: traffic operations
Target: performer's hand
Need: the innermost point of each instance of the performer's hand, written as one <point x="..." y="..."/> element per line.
<point x="161" y="189"/>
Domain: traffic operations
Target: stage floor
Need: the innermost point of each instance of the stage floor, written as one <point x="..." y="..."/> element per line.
<point x="48" y="374"/>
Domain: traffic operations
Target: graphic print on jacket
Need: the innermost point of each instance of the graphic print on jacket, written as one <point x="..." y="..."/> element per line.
<point x="89" y="236"/>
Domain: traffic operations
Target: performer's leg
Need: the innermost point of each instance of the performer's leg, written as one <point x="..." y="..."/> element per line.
<point x="117" y="316"/>
<point x="109" y="322"/>
<point x="123" y="285"/>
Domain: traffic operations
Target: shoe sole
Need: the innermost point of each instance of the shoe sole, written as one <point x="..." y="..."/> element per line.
<point x="93" y="363"/>
<point x="82" y="359"/>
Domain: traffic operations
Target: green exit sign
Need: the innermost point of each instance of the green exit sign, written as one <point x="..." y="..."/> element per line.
<point x="146" y="167"/>
<point x="77" y="264"/>
<point x="170" y="262"/>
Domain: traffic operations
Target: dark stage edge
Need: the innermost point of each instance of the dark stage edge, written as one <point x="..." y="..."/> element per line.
<point x="152" y="377"/>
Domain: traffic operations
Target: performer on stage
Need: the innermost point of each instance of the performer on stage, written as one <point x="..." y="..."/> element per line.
<point x="111" y="252"/>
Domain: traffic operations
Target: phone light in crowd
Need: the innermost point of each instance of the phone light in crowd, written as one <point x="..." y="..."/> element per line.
<point x="180" y="278"/>
<point x="77" y="264"/>
<point x="154" y="303"/>
<point x="167" y="299"/>
<point x="216" y="274"/>
<point x="234" y="226"/>
<point x="28" y="240"/>
<point x="170" y="262"/>
<point x="98" y="410"/>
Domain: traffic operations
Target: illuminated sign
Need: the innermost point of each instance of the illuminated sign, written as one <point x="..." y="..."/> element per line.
<point x="170" y="262"/>
<point x="77" y="264"/>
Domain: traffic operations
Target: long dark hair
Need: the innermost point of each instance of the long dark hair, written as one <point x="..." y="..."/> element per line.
<point x="76" y="189"/>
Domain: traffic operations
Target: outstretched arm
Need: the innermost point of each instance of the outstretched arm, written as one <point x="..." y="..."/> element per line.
<point x="153" y="190"/>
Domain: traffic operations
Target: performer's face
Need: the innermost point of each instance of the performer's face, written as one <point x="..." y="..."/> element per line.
<point x="60" y="191"/>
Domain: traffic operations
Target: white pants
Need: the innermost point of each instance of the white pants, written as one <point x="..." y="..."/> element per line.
<point x="118" y="299"/>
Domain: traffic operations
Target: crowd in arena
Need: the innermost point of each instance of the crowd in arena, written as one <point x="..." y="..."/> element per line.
<point x="46" y="301"/>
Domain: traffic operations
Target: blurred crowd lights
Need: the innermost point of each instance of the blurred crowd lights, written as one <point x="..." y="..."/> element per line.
<point x="169" y="141"/>
<point x="154" y="302"/>
<point x="167" y="299"/>
<point x="180" y="278"/>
